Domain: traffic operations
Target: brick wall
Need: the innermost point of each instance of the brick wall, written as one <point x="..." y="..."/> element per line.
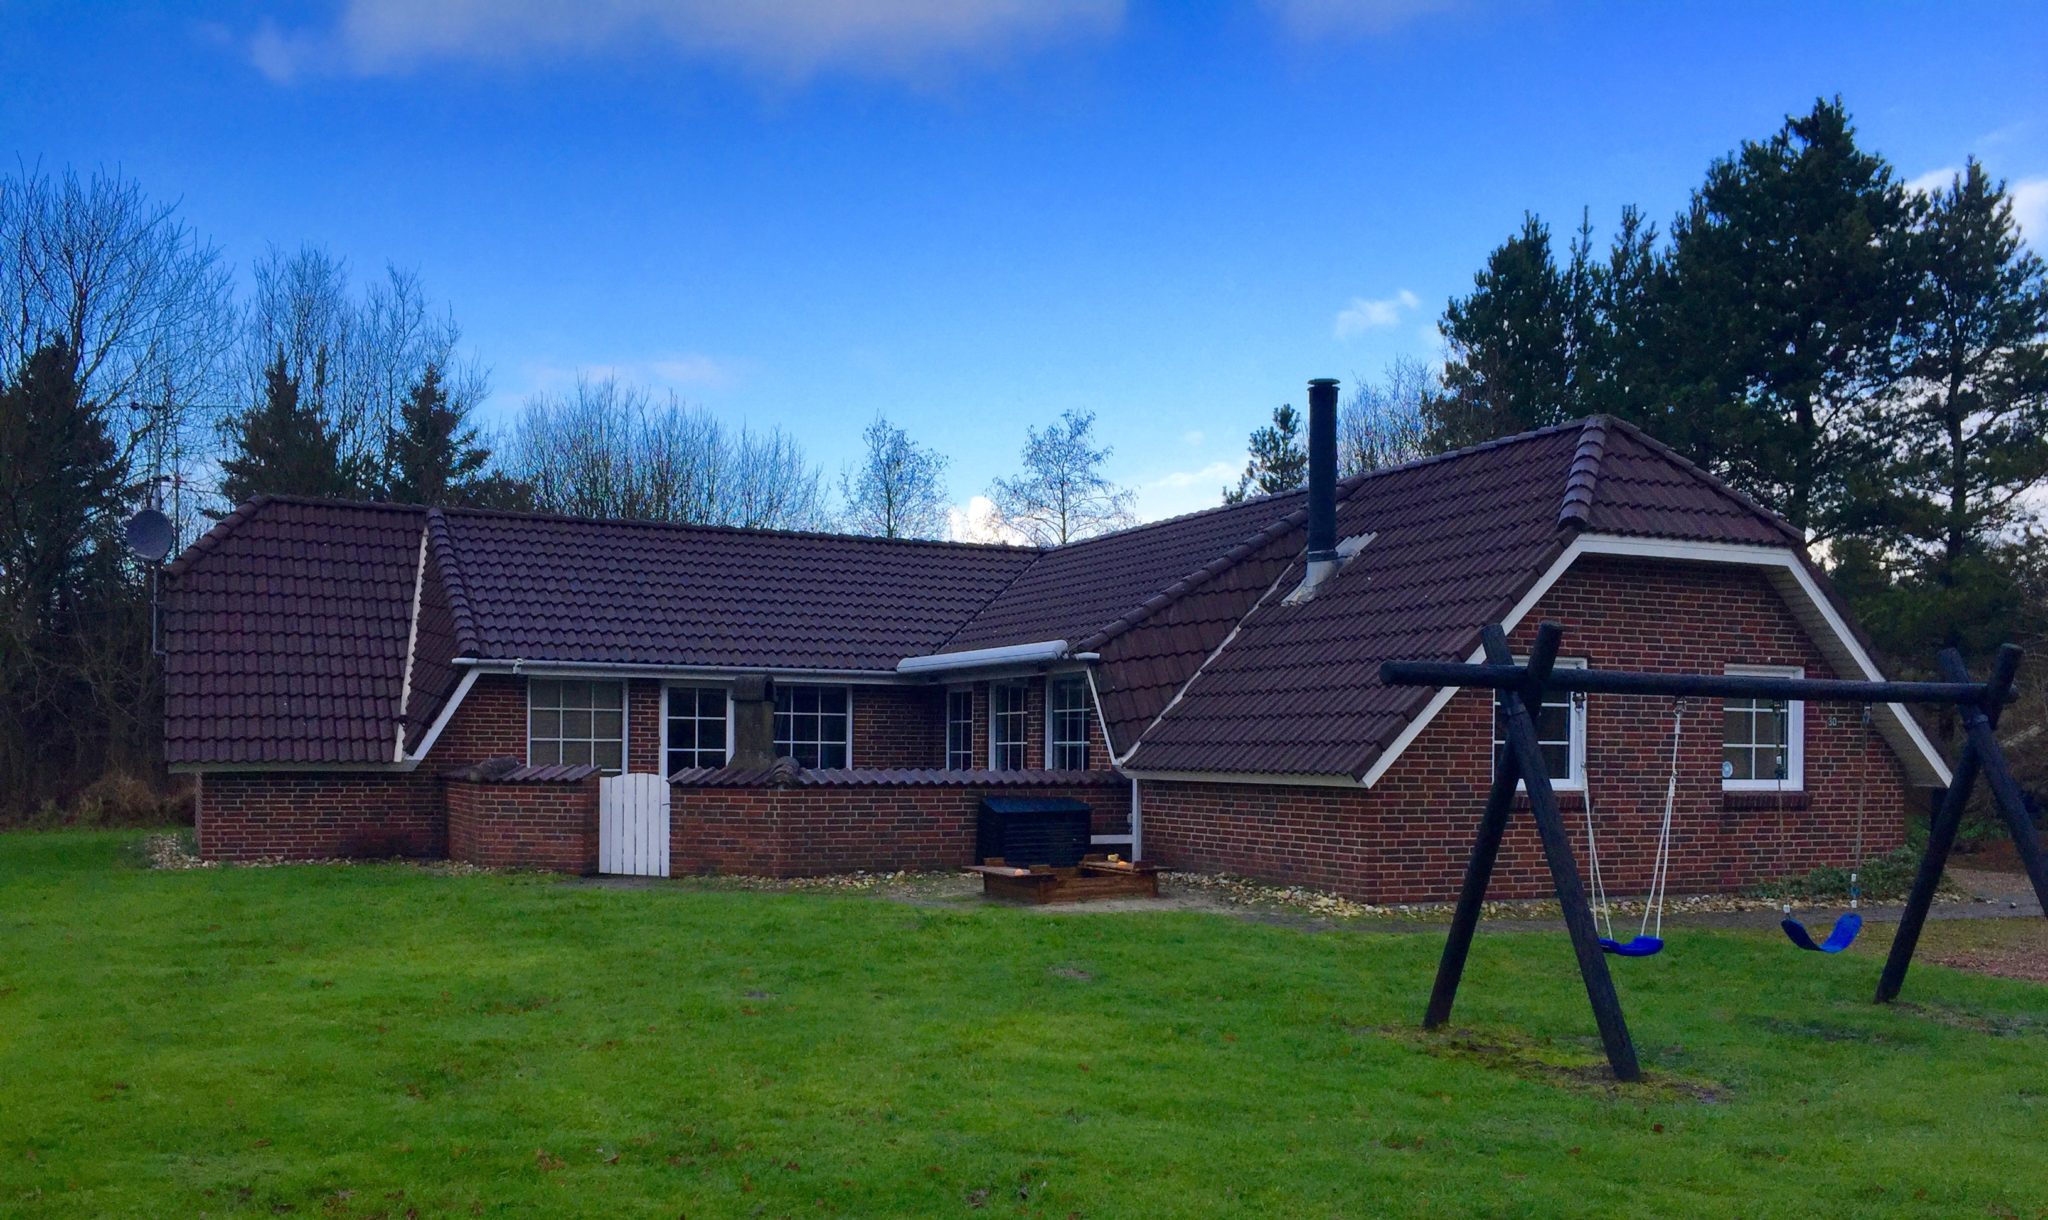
<point x="899" y="727"/>
<point x="826" y="828"/>
<point x="1405" y="839"/>
<point x="317" y="815"/>
<point x="547" y="826"/>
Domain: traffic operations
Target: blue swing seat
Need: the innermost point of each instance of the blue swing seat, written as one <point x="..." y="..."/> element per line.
<point x="1640" y="946"/>
<point x="1841" y="938"/>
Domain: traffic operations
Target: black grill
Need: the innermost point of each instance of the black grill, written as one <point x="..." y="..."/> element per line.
<point x="1025" y="831"/>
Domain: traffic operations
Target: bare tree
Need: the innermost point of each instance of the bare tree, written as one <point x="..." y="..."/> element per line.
<point x="140" y="302"/>
<point x="1382" y="424"/>
<point x="355" y="354"/>
<point x="1062" y="495"/>
<point x="608" y="448"/>
<point x="898" y="490"/>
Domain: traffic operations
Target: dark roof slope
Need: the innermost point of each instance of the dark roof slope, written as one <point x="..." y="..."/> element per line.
<point x="1296" y="691"/>
<point x="284" y="633"/>
<point x="1078" y="590"/>
<point x="1457" y="540"/>
<point x="559" y="588"/>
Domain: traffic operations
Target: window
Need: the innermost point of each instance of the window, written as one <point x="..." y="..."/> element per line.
<point x="1560" y="731"/>
<point x="1006" y="727"/>
<point x="1066" y="723"/>
<point x="960" y="729"/>
<point x="697" y="728"/>
<point x="814" y="725"/>
<point x="570" y="721"/>
<point x="1762" y="739"/>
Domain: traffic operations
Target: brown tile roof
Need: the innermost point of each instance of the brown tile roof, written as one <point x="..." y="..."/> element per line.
<point x="284" y="633"/>
<point x="566" y="589"/>
<point x="785" y="774"/>
<point x="1457" y="540"/>
<point x="287" y="625"/>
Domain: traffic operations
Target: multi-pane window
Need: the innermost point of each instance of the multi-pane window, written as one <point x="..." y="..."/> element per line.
<point x="960" y="729"/>
<point x="1006" y="726"/>
<point x="1560" y="731"/>
<point x="813" y="724"/>
<point x="696" y="727"/>
<point x="1066" y="724"/>
<point x="570" y="721"/>
<point x="1761" y="738"/>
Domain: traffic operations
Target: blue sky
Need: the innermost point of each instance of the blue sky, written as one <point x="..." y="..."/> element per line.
<point x="973" y="216"/>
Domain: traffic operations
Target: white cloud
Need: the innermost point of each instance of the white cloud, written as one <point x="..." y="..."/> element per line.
<point x="1363" y="315"/>
<point x="681" y="371"/>
<point x="1184" y="491"/>
<point x="1933" y="180"/>
<point x="978" y="521"/>
<point x="2030" y="209"/>
<point x="2029" y="199"/>
<point x="1315" y="18"/>
<point x="1193" y="437"/>
<point x="791" y="39"/>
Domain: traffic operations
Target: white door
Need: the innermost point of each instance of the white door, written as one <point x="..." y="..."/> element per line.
<point x="632" y="825"/>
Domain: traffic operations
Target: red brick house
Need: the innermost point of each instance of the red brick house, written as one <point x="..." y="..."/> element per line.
<point x="375" y="679"/>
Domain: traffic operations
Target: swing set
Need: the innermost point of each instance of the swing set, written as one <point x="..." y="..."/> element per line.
<point x="1522" y="688"/>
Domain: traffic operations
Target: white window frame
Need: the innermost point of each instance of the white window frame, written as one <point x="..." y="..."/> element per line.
<point x="666" y="687"/>
<point x="946" y="744"/>
<point x="625" y="719"/>
<point x="995" y="716"/>
<point x="1078" y="679"/>
<point x="1795" y="734"/>
<point x="838" y="686"/>
<point x="1576" y="781"/>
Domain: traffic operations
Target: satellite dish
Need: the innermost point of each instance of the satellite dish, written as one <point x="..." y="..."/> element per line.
<point x="150" y="535"/>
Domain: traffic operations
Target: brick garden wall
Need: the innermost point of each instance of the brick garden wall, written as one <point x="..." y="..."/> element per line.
<point x="316" y="815"/>
<point x="1405" y="839"/>
<point x="551" y="826"/>
<point x="837" y="827"/>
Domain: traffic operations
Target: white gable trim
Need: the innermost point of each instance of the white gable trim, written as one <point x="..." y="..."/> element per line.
<point x="412" y="643"/>
<point x="447" y="713"/>
<point x="1830" y="632"/>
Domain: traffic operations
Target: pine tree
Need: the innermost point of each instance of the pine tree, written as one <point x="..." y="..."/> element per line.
<point x="1511" y="366"/>
<point x="282" y="446"/>
<point x="1967" y="429"/>
<point x="437" y="458"/>
<point x="1788" y="292"/>
<point x="1279" y="460"/>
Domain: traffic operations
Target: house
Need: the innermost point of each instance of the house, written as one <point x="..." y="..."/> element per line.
<point x="359" y="679"/>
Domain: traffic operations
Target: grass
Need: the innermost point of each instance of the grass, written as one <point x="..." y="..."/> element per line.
<point x="386" y="1040"/>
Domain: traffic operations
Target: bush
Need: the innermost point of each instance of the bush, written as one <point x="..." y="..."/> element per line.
<point x="1885" y="878"/>
<point x="118" y="800"/>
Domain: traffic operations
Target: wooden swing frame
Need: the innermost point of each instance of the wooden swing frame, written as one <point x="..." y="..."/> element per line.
<point x="1522" y="688"/>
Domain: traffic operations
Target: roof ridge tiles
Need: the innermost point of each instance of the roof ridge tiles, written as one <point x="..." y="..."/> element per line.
<point x="1583" y="476"/>
<point x="749" y="530"/>
<point x="452" y="584"/>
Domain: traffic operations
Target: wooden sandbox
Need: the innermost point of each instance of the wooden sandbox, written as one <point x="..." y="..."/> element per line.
<point x="1095" y="877"/>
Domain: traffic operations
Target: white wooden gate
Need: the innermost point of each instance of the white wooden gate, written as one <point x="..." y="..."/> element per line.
<point x="632" y="825"/>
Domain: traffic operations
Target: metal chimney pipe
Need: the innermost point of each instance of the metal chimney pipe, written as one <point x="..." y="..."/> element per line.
<point x="1322" y="471"/>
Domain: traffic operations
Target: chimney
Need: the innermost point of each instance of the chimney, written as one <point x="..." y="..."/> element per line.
<point x="753" y="722"/>
<point x="1322" y="486"/>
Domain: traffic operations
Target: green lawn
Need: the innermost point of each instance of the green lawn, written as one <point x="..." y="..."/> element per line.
<point x="374" y="1040"/>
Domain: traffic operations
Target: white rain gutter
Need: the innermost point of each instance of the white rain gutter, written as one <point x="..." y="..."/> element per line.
<point x="1039" y="653"/>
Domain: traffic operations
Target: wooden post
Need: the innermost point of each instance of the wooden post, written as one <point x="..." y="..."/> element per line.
<point x="1520" y="708"/>
<point x="1941" y="831"/>
<point x="1478" y="874"/>
<point x="1980" y="725"/>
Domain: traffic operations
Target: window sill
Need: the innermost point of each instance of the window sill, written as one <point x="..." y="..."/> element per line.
<point x="1742" y="799"/>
